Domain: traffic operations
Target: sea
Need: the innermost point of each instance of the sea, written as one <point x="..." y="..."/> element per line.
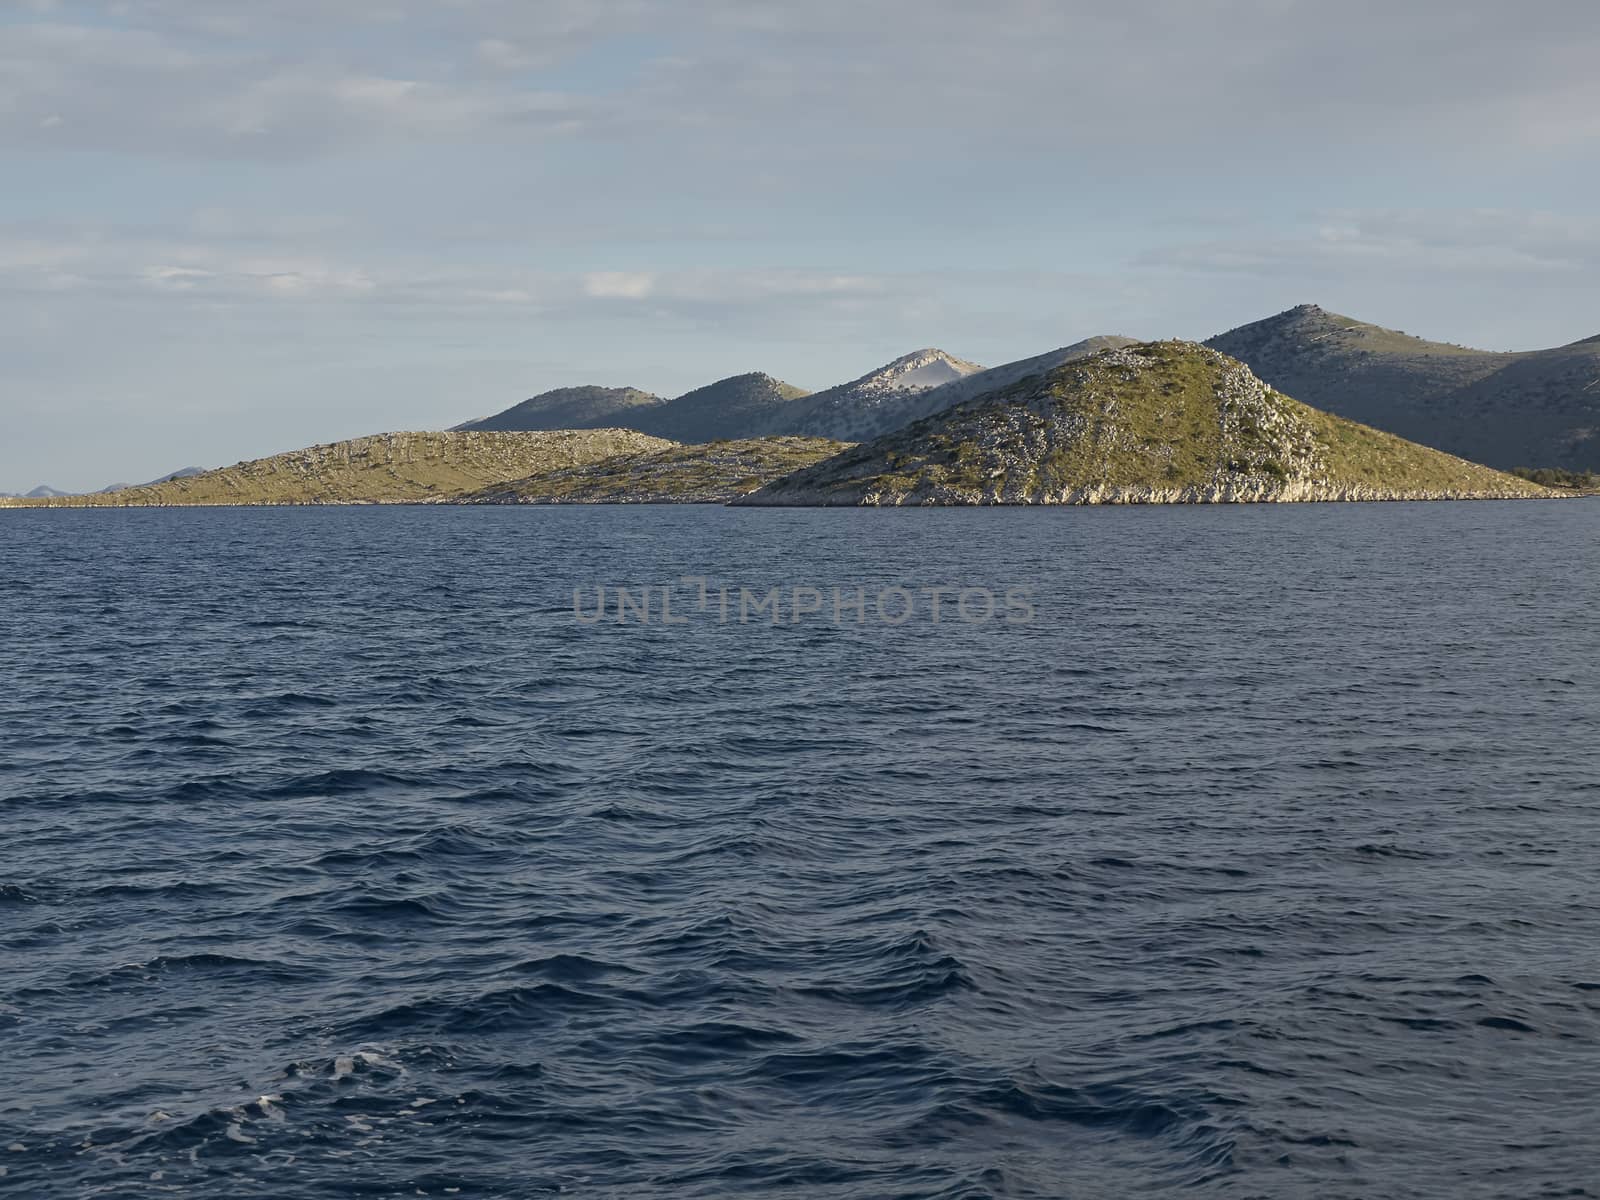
<point x="648" y="852"/>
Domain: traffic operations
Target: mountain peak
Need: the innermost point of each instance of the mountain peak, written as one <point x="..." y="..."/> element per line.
<point x="1307" y="323"/>
<point x="1307" y="315"/>
<point x="925" y="354"/>
<point x="916" y="372"/>
<point x="900" y="392"/>
<point x="757" y="381"/>
<point x="590" y="407"/>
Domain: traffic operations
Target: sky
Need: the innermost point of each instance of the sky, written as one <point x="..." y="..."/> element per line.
<point x="230" y="228"/>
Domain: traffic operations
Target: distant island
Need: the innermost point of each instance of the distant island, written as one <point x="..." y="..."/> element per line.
<point x="1146" y="423"/>
<point x="1537" y="409"/>
<point x="1374" y="414"/>
<point x="388" y="468"/>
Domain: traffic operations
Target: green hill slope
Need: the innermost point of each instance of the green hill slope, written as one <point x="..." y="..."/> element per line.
<point x="1539" y="408"/>
<point x="712" y="473"/>
<point x="1164" y="422"/>
<point x="387" y="468"/>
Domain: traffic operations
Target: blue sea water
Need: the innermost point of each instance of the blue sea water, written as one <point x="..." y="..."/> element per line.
<point x="339" y="857"/>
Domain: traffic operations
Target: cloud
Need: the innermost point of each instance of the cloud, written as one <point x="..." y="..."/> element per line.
<point x="501" y="55"/>
<point x="619" y="285"/>
<point x="65" y="86"/>
<point x="1480" y="244"/>
<point x="107" y="264"/>
<point x="226" y="257"/>
<point x="1205" y="80"/>
<point x="180" y="278"/>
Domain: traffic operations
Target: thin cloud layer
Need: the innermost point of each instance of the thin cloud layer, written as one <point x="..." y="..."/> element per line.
<point x="1515" y="249"/>
<point x="306" y="79"/>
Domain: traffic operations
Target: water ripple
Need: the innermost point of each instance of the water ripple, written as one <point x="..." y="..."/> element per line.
<point x="338" y="860"/>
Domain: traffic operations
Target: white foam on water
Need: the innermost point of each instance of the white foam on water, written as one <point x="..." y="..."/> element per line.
<point x="345" y="1064"/>
<point x="264" y="1105"/>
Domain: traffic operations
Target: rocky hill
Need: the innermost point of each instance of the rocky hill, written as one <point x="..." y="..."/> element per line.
<point x="387" y="468"/>
<point x="709" y="473"/>
<point x="1163" y="422"/>
<point x="1537" y="408"/>
<point x="868" y="406"/>
<point x="738" y="407"/>
<point x="906" y="407"/>
<point x="573" y="408"/>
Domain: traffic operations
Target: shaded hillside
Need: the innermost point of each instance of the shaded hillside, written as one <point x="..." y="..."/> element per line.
<point x="1537" y="408"/>
<point x="737" y="407"/>
<point x="184" y="473"/>
<point x="740" y="406"/>
<point x="573" y="408"/>
<point x="1585" y="483"/>
<point x="712" y="473"/>
<point x="386" y="468"/>
<point x="1164" y="422"/>
<point x="868" y="406"/>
